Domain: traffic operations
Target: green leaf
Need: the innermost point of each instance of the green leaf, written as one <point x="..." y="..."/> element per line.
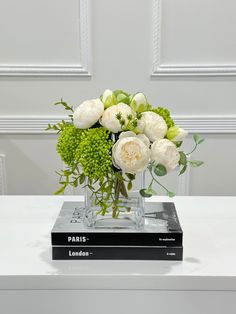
<point x="123" y="189"/>
<point x="122" y="98"/>
<point x="183" y="169"/>
<point x="201" y="141"/>
<point x="75" y="183"/>
<point x="160" y="170"/>
<point x="130" y="176"/>
<point x="120" y="91"/>
<point x="170" y="194"/>
<point x="197" y="139"/>
<point x="196" y="163"/>
<point x="81" y="178"/>
<point x="178" y="144"/>
<point x="183" y="159"/>
<point x="129" y="185"/>
<point x="145" y="193"/>
<point x="60" y="191"/>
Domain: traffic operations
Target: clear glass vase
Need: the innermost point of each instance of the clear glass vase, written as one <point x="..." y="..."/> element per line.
<point x="121" y="210"/>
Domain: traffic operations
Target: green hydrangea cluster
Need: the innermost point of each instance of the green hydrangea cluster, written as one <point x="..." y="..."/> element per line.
<point x="93" y="153"/>
<point x="165" y="113"/>
<point x="68" y="142"/>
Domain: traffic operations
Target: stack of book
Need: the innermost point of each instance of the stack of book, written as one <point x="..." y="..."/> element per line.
<point x="161" y="238"/>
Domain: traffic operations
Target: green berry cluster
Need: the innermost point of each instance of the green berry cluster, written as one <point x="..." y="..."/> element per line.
<point x="93" y="153"/>
<point x="68" y="142"/>
<point x="165" y="113"/>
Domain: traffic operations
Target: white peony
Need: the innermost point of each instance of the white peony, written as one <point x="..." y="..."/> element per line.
<point x="155" y="126"/>
<point x="109" y="119"/>
<point x="142" y="137"/>
<point x="176" y="134"/>
<point x="88" y="113"/>
<point x="130" y="154"/>
<point x="165" y="152"/>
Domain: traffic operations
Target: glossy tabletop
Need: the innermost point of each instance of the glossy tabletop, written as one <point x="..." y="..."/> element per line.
<point x="209" y="226"/>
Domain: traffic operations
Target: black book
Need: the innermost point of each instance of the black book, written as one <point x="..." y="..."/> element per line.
<point x="116" y="253"/>
<point x="162" y="228"/>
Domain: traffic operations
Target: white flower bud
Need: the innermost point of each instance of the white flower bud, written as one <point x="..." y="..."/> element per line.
<point x="165" y="152"/>
<point x="176" y="134"/>
<point x="155" y="126"/>
<point x="88" y="113"/>
<point x="108" y="98"/>
<point x="109" y="119"/>
<point x="130" y="154"/>
<point x="139" y="103"/>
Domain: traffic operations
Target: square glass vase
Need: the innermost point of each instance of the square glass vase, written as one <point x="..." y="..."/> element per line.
<point x="121" y="213"/>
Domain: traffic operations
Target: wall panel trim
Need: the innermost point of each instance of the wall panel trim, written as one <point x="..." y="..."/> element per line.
<point x="3" y="179"/>
<point x="81" y="69"/>
<point x="159" y="69"/>
<point x="194" y="124"/>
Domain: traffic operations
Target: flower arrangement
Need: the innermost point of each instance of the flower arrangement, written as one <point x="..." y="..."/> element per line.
<point x="109" y="140"/>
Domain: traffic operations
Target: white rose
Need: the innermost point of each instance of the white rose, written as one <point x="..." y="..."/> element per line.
<point x="109" y="119"/>
<point x="130" y="154"/>
<point x="165" y="152"/>
<point x="176" y="134"/>
<point x="88" y="113"/>
<point x="155" y="126"/>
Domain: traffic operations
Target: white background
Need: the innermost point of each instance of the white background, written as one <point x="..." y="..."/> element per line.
<point x="181" y="54"/>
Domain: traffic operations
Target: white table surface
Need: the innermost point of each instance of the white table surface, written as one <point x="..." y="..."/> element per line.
<point x="209" y="225"/>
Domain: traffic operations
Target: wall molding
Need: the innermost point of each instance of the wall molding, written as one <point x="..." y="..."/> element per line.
<point x="81" y="69"/>
<point x="194" y="124"/>
<point x="159" y="69"/>
<point x="3" y="179"/>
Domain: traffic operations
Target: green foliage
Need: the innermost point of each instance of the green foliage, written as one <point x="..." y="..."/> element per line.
<point x="160" y="170"/>
<point x="145" y="193"/>
<point x="196" y="163"/>
<point x="68" y="142"/>
<point x="93" y="153"/>
<point x="65" y="105"/>
<point x="155" y="170"/>
<point x="165" y="113"/>
<point x="184" y="162"/>
<point x="197" y="139"/>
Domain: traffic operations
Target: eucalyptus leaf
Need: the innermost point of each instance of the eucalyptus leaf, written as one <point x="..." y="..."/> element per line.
<point x="160" y="170"/>
<point x="201" y="141"/>
<point x="196" y="163"/>
<point x="183" y="158"/>
<point x="170" y="194"/>
<point x="183" y="169"/>
<point x="145" y="193"/>
<point x="196" y="138"/>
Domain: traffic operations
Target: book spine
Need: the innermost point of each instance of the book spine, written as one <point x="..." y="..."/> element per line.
<point x="116" y="253"/>
<point x="115" y="239"/>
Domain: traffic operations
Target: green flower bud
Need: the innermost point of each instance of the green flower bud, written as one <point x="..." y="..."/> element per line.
<point x="108" y="98"/>
<point x="139" y="103"/>
<point x="176" y="134"/>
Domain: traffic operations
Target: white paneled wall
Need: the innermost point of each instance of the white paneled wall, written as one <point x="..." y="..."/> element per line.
<point x="180" y="53"/>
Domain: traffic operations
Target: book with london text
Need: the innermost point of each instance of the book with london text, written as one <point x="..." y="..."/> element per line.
<point x="117" y="253"/>
<point x="162" y="228"/>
